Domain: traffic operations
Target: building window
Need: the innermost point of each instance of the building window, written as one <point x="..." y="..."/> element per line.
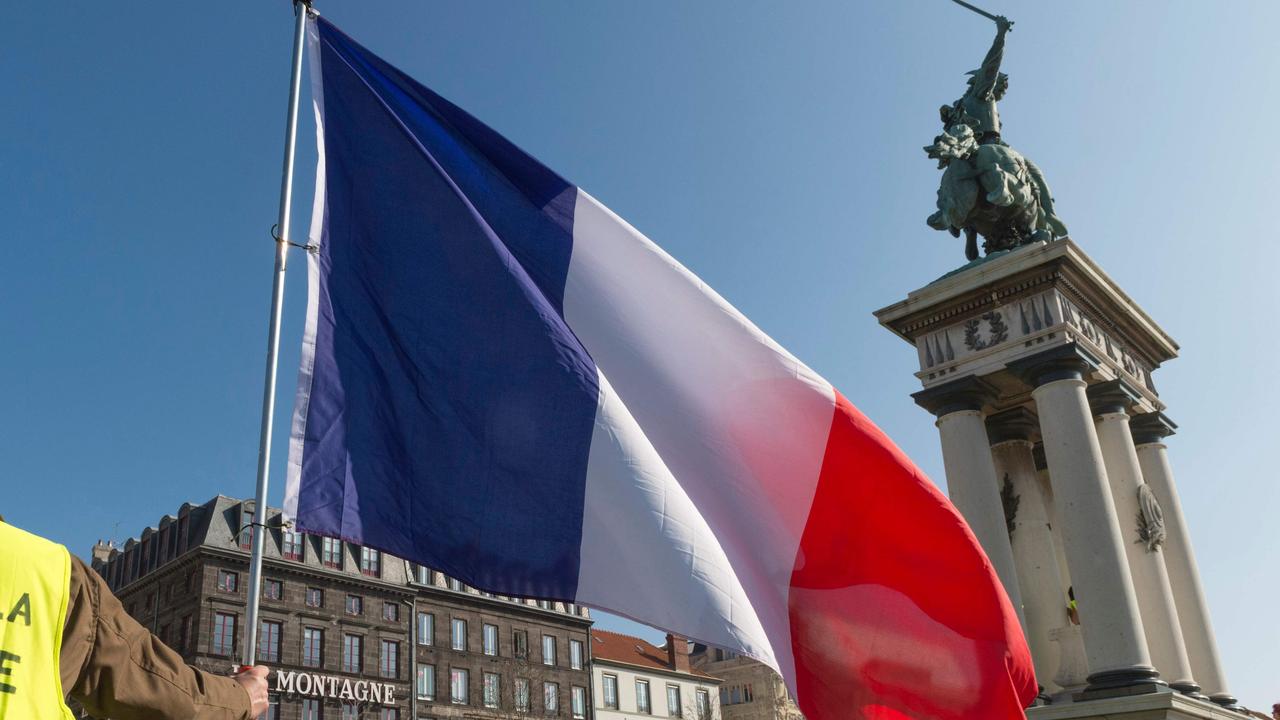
<point x="548" y="650"/>
<point x="269" y="641"/>
<point x="272" y="589"/>
<point x="704" y="705"/>
<point x="224" y="633"/>
<point x="520" y="643"/>
<point x="370" y="562"/>
<point x="391" y="611"/>
<point x="673" y="701"/>
<point x="390" y="667"/>
<point x="456" y="584"/>
<point x="491" y="692"/>
<point x="350" y="711"/>
<point x="315" y="597"/>
<point x="246" y="527"/>
<point x="544" y="604"/>
<point x="426" y="629"/>
<point x="736" y="694"/>
<point x="355" y="605"/>
<point x="522" y="695"/>
<point x="575" y="654"/>
<point x="331" y="552"/>
<point x="426" y="682"/>
<point x="291" y="545"/>
<point x="273" y="707"/>
<point x="578" y="699"/>
<point x="184" y="634"/>
<point x="228" y="581"/>
<point x="610" y="683"/>
<point x="459" y="634"/>
<point x="426" y="576"/>
<point x="490" y="639"/>
<point x="352" y="653"/>
<point x="550" y="698"/>
<point x="458" y="679"/>
<point x="312" y="647"/>
<point x="387" y="713"/>
<point x="311" y="709"/>
<point x="642" y="697"/>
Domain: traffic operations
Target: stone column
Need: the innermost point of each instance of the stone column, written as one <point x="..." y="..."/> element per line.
<point x="971" y="476"/>
<point x="1142" y="531"/>
<point x="1044" y="598"/>
<point x="1149" y="431"/>
<point x="1051" y="507"/>
<point x="1115" y="645"/>
<point x="1073" y="668"/>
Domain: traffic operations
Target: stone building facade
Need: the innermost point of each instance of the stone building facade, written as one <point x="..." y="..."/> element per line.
<point x="481" y="655"/>
<point x="750" y="689"/>
<point x="348" y="632"/>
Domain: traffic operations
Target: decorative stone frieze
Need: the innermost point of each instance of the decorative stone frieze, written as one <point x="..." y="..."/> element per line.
<point x="1020" y="304"/>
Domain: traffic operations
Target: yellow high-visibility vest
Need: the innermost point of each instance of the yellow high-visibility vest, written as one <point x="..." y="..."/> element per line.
<point x="35" y="583"/>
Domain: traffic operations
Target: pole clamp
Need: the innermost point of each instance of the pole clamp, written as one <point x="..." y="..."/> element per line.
<point x="275" y="235"/>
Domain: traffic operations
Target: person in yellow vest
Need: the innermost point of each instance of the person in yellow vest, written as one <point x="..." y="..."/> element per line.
<point x="64" y="634"/>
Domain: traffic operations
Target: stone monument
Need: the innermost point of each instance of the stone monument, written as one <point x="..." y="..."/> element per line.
<point x="1039" y="370"/>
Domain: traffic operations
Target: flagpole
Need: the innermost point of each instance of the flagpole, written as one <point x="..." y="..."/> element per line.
<point x="248" y="653"/>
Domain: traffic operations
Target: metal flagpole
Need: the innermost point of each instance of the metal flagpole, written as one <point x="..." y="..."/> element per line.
<point x="249" y="651"/>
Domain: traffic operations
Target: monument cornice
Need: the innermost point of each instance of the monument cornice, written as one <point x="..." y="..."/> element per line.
<point x="1018" y="304"/>
<point x="1060" y="264"/>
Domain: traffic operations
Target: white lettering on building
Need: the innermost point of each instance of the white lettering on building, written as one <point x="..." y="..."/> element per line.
<point x="328" y="686"/>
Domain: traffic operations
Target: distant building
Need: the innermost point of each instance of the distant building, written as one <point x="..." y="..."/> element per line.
<point x="632" y="678"/>
<point x="349" y="633"/>
<point x="750" y="690"/>
<point x="481" y="655"/>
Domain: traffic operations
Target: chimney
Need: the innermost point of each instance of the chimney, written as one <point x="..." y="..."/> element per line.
<point x="677" y="653"/>
<point x="101" y="551"/>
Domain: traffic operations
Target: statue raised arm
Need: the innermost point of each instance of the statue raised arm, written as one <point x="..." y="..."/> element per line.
<point x="987" y="85"/>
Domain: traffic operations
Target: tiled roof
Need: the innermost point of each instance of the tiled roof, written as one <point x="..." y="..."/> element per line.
<point x="631" y="650"/>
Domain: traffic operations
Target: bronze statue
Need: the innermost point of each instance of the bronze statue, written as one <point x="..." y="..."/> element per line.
<point x="987" y="188"/>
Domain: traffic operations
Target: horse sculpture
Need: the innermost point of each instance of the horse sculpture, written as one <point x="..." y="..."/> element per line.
<point x="990" y="190"/>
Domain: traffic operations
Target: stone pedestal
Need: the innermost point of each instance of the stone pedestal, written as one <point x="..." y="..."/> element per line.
<point x="1035" y="329"/>
<point x="1166" y="705"/>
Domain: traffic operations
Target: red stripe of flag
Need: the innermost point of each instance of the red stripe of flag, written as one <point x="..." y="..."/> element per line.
<point x="895" y="610"/>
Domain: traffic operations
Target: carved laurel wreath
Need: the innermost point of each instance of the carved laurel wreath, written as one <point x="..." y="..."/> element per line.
<point x="999" y="331"/>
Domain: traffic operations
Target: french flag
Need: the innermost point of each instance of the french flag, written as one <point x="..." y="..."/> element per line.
<point x="503" y="380"/>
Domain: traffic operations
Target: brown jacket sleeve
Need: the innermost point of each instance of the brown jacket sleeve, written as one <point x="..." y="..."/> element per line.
<point x="117" y="669"/>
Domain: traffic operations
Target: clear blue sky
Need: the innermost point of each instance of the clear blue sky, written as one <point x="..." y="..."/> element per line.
<point x="772" y="147"/>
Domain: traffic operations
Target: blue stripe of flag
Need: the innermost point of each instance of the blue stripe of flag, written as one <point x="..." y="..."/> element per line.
<point x="451" y="407"/>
